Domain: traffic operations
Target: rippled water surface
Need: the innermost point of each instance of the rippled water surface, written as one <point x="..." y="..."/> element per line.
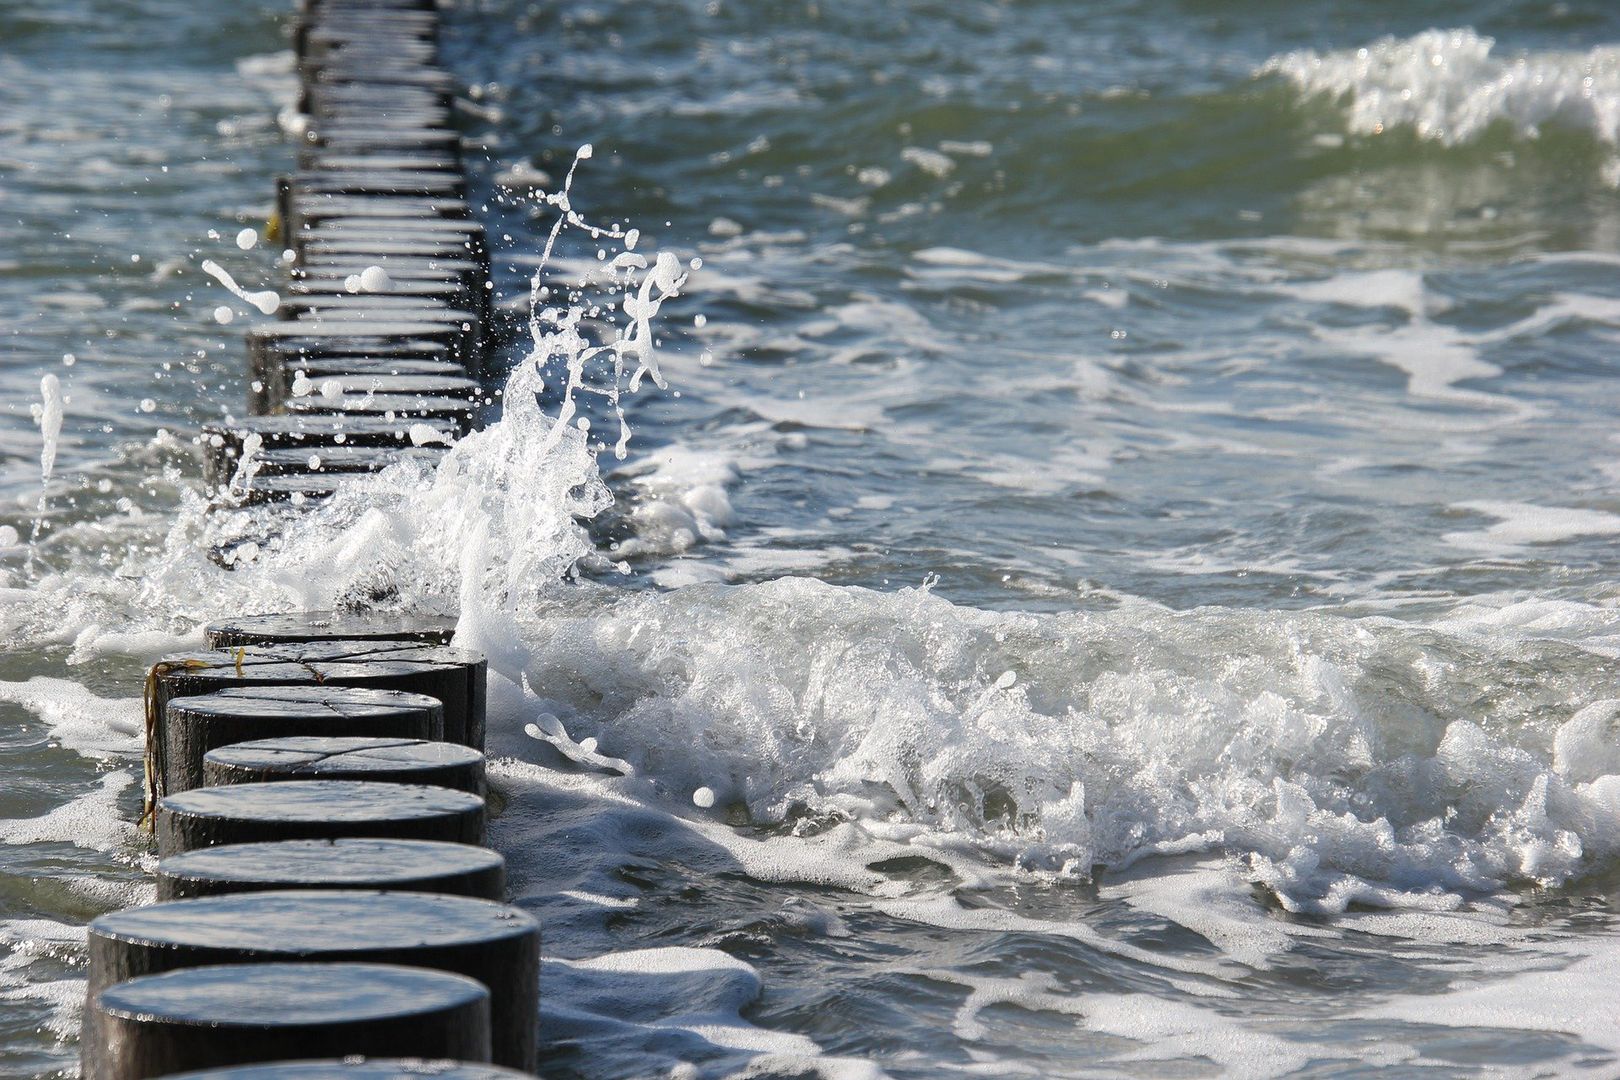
<point x="1120" y="583"/>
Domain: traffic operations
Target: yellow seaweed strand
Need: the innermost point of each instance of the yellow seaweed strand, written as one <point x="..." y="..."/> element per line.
<point x="152" y="759"/>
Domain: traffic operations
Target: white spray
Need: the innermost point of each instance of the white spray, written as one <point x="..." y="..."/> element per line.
<point x="556" y="331"/>
<point x="49" y="417"/>
<point x="267" y="301"/>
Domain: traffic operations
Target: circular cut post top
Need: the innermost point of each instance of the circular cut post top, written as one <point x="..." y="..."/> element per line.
<point x="432" y="385"/>
<point x="377" y="365"/>
<point x="342" y="460"/>
<point x="222" y="443"/>
<point x="409" y="406"/>
<point x="206" y="1017"/>
<point x="360" y="1069"/>
<point x="315" y="809"/>
<point x="289" y="995"/>
<point x="304" y="626"/>
<point x="305" y="662"/>
<point x="317" y="328"/>
<point x="335" y="801"/>
<point x="303" y="700"/>
<point x="455" y="676"/>
<point x="334" y="757"/>
<point x="294" y="924"/>
<point x="349" y="863"/>
<point x="280" y="487"/>
<point x="286" y="430"/>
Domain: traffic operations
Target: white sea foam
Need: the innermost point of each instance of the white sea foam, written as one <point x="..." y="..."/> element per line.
<point x="1519" y="525"/>
<point x="1173" y="1031"/>
<point x="1451" y="86"/>
<point x="34" y="944"/>
<point x="105" y="728"/>
<point x="92" y="820"/>
<point x="684" y="500"/>
<point x="1573" y="997"/>
<point x="798" y="698"/>
<point x="664" y="1008"/>
<point x="1115" y="740"/>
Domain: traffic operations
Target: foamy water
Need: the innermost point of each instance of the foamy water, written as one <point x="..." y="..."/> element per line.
<point x="1117" y="579"/>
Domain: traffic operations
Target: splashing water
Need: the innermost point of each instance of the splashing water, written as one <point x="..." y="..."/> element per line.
<point x="48" y="414"/>
<point x="266" y="301"/>
<point x="497" y="526"/>
<point x="556" y="332"/>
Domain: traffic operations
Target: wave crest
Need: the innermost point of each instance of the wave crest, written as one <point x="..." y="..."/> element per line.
<point x="1451" y="86"/>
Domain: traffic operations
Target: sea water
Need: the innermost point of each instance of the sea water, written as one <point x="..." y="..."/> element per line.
<point x="1114" y="575"/>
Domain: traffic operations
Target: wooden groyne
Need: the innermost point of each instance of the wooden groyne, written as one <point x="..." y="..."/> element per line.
<point x="316" y="780"/>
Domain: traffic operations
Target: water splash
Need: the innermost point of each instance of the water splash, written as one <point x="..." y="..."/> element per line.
<point x="497" y="525"/>
<point x="48" y="415"/>
<point x="266" y="301"/>
<point x="558" y="334"/>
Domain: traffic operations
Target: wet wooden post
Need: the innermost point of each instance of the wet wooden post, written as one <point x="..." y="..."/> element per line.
<point x="349" y="863"/>
<point x="189" y="727"/>
<point x="496" y="944"/>
<point x="387" y="761"/>
<point x="316" y="810"/>
<point x="456" y="677"/>
<point x="157" y="1025"/>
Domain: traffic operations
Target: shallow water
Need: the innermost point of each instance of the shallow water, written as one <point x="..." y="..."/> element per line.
<point x="1125" y="558"/>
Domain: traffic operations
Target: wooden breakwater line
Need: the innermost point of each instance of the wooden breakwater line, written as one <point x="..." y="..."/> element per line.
<point x="326" y="907"/>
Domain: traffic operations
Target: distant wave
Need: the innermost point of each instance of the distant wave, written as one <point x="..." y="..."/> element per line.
<point x="1451" y="86"/>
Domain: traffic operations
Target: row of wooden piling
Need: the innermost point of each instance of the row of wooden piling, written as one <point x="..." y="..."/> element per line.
<point x="326" y="906"/>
